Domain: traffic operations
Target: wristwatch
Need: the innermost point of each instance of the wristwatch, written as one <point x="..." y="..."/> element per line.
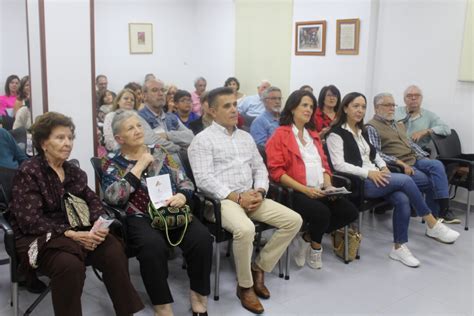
<point x="263" y="193"/>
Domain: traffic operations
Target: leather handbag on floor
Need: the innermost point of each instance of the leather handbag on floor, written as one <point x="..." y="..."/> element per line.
<point x="168" y="218"/>
<point x="77" y="211"/>
<point x="338" y="243"/>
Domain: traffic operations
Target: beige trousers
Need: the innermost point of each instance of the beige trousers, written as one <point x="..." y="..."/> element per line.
<point x="239" y="223"/>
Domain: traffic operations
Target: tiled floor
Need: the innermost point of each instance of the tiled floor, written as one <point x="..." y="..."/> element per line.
<point x="373" y="285"/>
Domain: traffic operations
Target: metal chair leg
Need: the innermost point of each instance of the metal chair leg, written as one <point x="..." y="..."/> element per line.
<point x="217" y="272"/>
<point x="287" y="265"/>
<point x="280" y="269"/>
<point x="14" y="301"/>
<point x="37" y="301"/>
<point x="346" y="244"/>
<point x="468" y="210"/>
<point x="229" y="245"/>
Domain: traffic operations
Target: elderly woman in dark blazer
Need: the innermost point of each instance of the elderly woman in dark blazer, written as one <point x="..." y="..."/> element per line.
<point x="45" y="239"/>
<point x="125" y="184"/>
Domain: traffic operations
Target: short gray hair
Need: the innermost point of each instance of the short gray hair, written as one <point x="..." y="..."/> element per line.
<point x="410" y="87"/>
<point x="119" y="117"/>
<point x="380" y="96"/>
<point x="147" y="83"/>
<point x="269" y="90"/>
<point x="199" y="79"/>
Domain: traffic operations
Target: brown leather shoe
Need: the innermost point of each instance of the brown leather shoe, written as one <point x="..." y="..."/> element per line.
<point x="249" y="299"/>
<point x="259" y="284"/>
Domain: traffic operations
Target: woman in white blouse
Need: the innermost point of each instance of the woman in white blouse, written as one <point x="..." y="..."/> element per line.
<point x="296" y="159"/>
<point x="351" y="152"/>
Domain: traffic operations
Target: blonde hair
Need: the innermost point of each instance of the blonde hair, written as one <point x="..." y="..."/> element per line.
<point x="115" y="105"/>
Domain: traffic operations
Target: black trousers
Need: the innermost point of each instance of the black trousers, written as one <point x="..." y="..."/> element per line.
<point x="324" y="215"/>
<point x="151" y="247"/>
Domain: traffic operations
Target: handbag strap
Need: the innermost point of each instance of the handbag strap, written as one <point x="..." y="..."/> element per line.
<point x="182" y="234"/>
<point x="166" y="226"/>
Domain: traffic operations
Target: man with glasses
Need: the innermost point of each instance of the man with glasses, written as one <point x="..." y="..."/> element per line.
<point x="420" y="123"/>
<point x="165" y="125"/>
<point x="392" y="143"/>
<point x="266" y="123"/>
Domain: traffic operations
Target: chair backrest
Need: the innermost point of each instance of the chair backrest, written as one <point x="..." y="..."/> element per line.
<point x="263" y="153"/>
<point x="97" y="165"/>
<point x="183" y="156"/>
<point x="447" y="146"/>
<point x="6" y="183"/>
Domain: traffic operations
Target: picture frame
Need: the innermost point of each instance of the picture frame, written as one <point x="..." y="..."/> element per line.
<point x="347" y="36"/>
<point x="140" y="38"/>
<point x="310" y="38"/>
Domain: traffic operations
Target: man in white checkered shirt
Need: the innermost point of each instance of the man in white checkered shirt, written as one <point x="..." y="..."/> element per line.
<point x="227" y="165"/>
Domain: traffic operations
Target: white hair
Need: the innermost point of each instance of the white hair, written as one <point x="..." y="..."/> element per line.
<point x="380" y="96"/>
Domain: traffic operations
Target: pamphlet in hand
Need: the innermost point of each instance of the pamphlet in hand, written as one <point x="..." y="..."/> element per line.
<point x="101" y="223"/>
<point x="159" y="189"/>
<point x="336" y="191"/>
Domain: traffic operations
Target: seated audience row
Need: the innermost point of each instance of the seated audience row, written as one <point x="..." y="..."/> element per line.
<point x="227" y="165"/>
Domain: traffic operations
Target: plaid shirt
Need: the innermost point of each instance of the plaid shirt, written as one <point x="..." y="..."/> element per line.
<point x="374" y="138"/>
<point x="223" y="163"/>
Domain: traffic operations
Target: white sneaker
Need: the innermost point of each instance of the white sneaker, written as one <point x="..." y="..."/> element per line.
<point x="302" y="248"/>
<point x="442" y="233"/>
<point x="314" y="258"/>
<point x="404" y="255"/>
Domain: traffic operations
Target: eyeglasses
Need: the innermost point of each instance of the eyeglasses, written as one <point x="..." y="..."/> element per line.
<point x="388" y="105"/>
<point x="411" y="96"/>
<point x="274" y="98"/>
<point x="185" y="100"/>
<point x="329" y="95"/>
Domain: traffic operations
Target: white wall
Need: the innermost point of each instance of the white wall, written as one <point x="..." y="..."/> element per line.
<point x="13" y="40"/>
<point x="68" y="60"/>
<point x="347" y="72"/>
<point x="420" y="42"/>
<point x="190" y="38"/>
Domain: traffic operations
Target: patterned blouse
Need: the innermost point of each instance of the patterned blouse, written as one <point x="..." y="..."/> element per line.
<point x="37" y="194"/>
<point x="321" y="120"/>
<point x="123" y="188"/>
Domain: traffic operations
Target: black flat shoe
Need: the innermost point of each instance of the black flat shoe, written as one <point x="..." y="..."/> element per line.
<point x="199" y="314"/>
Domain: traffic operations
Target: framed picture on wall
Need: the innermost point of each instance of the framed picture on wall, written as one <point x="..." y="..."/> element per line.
<point x="310" y="38"/>
<point x="347" y="37"/>
<point x="140" y="38"/>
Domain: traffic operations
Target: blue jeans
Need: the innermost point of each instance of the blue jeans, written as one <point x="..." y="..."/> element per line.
<point x="402" y="192"/>
<point x="430" y="177"/>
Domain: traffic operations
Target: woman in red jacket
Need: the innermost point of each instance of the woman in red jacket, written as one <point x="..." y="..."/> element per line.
<point x="296" y="159"/>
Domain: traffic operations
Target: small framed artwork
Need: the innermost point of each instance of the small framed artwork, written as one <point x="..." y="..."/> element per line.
<point x="347" y="37"/>
<point x="140" y="38"/>
<point x="310" y="38"/>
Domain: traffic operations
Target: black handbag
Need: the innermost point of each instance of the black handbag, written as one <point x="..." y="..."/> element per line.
<point x="168" y="218"/>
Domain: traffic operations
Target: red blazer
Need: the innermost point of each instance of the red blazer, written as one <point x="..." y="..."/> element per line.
<point x="284" y="157"/>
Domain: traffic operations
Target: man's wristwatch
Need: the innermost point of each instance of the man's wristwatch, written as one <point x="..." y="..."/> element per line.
<point x="263" y="193"/>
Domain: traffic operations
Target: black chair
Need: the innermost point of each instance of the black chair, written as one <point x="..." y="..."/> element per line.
<point x="450" y="154"/>
<point x="6" y="181"/>
<point x="215" y="227"/>
<point x="356" y="185"/>
<point x="287" y="199"/>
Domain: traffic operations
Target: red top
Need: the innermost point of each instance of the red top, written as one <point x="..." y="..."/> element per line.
<point x="284" y="157"/>
<point x="321" y="120"/>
